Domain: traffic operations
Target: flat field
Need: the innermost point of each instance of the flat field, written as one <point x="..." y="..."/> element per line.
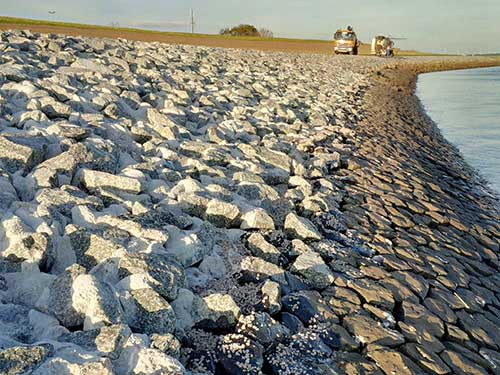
<point x="263" y="44"/>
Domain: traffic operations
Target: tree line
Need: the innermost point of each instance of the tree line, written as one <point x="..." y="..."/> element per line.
<point x="246" y="30"/>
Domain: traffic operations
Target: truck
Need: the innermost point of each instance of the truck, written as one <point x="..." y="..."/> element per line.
<point x="345" y="41"/>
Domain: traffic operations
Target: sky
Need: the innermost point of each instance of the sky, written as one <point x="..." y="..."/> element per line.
<point x="448" y="26"/>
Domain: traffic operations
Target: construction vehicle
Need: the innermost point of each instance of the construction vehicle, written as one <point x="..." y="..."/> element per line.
<point x="346" y="42"/>
<point x="384" y="45"/>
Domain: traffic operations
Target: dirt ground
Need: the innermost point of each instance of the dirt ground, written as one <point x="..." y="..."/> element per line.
<point x="263" y="45"/>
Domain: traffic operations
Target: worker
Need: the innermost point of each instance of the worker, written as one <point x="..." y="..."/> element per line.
<point x="389" y="48"/>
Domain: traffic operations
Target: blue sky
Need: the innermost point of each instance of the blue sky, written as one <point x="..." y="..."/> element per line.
<point x="432" y="25"/>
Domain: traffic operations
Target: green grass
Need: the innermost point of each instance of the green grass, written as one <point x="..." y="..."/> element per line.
<point x="26" y="21"/>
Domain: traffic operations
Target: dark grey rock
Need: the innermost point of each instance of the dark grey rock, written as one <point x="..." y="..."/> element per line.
<point x="21" y="152"/>
<point x="147" y="312"/>
<point x="166" y="276"/>
<point x="240" y="355"/>
<point x="23" y="359"/>
<point x="309" y="307"/>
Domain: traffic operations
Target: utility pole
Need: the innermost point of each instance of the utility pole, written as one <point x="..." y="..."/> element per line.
<point x="192" y="21"/>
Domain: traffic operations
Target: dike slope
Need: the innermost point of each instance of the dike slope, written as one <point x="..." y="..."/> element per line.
<point x="193" y="210"/>
<point x="435" y="225"/>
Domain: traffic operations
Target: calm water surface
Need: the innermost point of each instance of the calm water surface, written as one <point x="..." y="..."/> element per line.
<point x="465" y="104"/>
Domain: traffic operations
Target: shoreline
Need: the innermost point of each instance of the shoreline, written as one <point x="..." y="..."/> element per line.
<point x="189" y="209"/>
<point x="425" y="68"/>
<point x="444" y="224"/>
<point x="476" y="174"/>
<point x="397" y="90"/>
<point x="480" y="172"/>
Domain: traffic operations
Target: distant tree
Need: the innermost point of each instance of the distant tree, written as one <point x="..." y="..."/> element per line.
<point x="246" y="30"/>
<point x="265" y="33"/>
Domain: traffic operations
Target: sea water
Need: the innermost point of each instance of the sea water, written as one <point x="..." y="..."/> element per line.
<point x="465" y="104"/>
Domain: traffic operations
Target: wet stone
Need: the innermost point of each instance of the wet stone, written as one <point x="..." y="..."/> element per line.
<point x="369" y="331"/>
<point x="493" y="357"/>
<point x="461" y="365"/>
<point x="480" y="329"/>
<point x="305" y="354"/>
<point x="399" y="291"/>
<point x="373" y="293"/>
<point x="426" y="359"/>
<point x="451" y="299"/>
<point x="472" y="356"/>
<point x="262" y="328"/>
<point x="422" y="320"/>
<point x="309" y="307"/>
<point x="423" y="338"/>
<point x="201" y="361"/>
<point x="392" y="361"/>
<point x="291" y="322"/>
<point x="385" y="317"/>
<point x="355" y="364"/>
<point x="240" y="355"/>
<point x="441" y="309"/>
<point x="455" y="334"/>
<point x="336" y="337"/>
<point x="309" y="343"/>
<point x="415" y="282"/>
<point x="473" y="302"/>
